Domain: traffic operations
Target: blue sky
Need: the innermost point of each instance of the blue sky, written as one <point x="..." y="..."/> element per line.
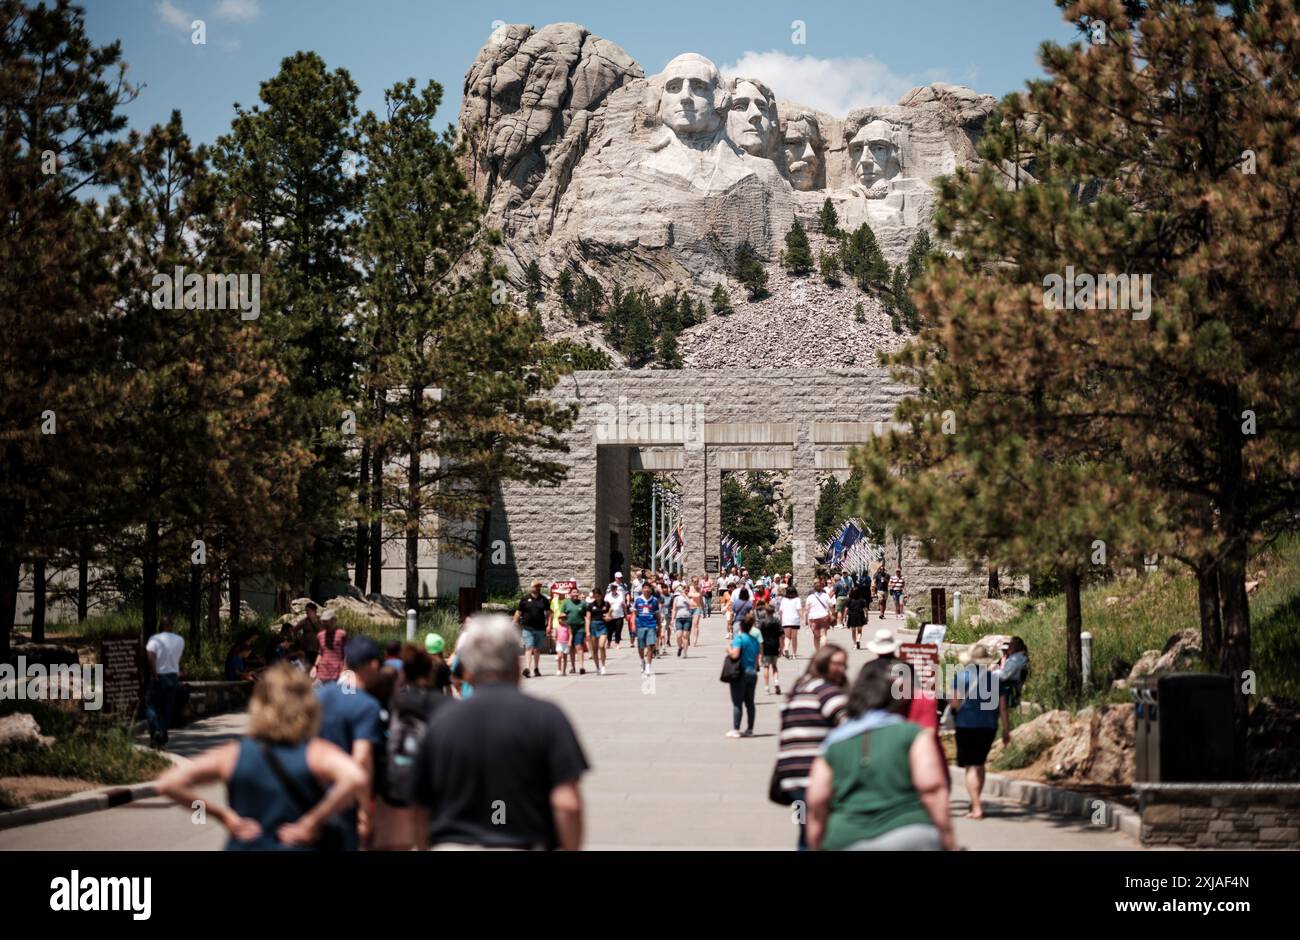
<point x="857" y="52"/>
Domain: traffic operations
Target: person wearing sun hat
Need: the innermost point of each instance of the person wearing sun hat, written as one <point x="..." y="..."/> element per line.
<point x="883" y="644"/>
<point x="975" y="710"/>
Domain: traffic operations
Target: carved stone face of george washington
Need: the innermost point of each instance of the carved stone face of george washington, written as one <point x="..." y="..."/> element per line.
<point x="692" y="95"/>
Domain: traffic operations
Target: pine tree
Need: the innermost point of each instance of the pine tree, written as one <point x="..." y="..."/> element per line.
<point x="668" y="354"/>
<point x="465" y="369"/>
<point x="1083" y="455"/>
<point x="290" y="164"/>
<point x="564" y="287"/>
<point x="61" y="99"/>
<point x="829" y="219"/>
<point x="720" y="299"/>
<point x="638" y="342"/>
<point x="830" y="268"/>
<point x="798" y="254"/>
<point x="859" y="313"/>
<point x="862" y="260"/>
<point x="533" y="278"/>
<point x="749" y="271"/>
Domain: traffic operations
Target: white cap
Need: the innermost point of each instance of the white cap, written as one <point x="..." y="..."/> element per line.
<point x="326" y="614"/>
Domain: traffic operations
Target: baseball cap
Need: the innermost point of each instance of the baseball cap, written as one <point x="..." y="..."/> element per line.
<point x="434" y="643"/>
<point x="360" y="650"/>
<point x="327" y="614"/>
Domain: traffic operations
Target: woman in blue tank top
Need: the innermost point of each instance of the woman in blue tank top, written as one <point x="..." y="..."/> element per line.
<point x="283" y="784"/>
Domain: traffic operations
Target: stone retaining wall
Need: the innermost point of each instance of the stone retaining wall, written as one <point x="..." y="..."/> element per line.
<point x="1220" y="815"/>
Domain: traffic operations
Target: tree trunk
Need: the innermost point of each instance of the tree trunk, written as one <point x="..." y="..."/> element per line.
<point x="1207" y="596"/>
<point x="376" y="523"/>
<point x="38" y="600"/>
<point x="214" y="600"/>
<point x="10" y="574"/>
<point x="83" y="580"/>
<point x="995" y="586"/>
<point x="413" y="503"/>
<point x="480" y="568"/>
<point x="1234" y="658"/>
<point x="149" y="574"/>
<point x="360" y="563"/>
<point x="1073" y="634"/>
<point x="236" y="598"/>
<point x="196" y="601"/>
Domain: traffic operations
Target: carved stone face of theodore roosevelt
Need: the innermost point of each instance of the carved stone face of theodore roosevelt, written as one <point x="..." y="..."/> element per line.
<point x="802" y="142"/>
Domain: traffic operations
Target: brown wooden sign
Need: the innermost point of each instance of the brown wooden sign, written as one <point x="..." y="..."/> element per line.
<point x="121" y="657"/>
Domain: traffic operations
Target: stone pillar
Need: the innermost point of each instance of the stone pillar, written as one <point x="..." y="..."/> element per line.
<point x="694" y="500"/>
<point x="805" y="507"/>
<point x="712" y="506"/>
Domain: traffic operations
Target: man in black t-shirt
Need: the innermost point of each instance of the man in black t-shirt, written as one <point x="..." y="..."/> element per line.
<point x="500" y="769"/>
<point x="534" y="615"/>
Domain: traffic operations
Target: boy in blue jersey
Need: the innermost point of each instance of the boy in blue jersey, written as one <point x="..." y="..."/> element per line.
<point x="646" y="609"/>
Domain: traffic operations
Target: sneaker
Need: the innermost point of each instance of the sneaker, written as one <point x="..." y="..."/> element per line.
<point x="582" y="671"/>
<point x="747" y="733"/>
<point x="767" y="690"/>
<point x="525" y="673"/>
<point x="733" y="734"/>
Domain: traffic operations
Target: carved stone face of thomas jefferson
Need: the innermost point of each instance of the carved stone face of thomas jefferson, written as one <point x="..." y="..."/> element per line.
<point x="874" y="155"/>
<point x="751" y="119"/>
<point x="802" y="140"/>
<point x="692" y="95"/>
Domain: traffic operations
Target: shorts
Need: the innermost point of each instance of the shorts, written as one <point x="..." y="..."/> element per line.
<point x="840" y="604"/>
<point x="896" y="595"/>
<point x="684" y="624"/>
<point x="769" y="659"/>
<point x="561" y="648"/>
<point x="646" y="636"/>
<point x="790" y="626"/>
<point x="820" y="623"/>
<point x="599" y="629"/>
<point x="973" y="745"/>
<point x="534" y="639"/>
<point x="579" y="638"/>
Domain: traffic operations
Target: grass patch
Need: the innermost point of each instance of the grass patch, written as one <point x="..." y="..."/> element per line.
<point x="1147" y="611"/>
<point x="82" y="749"/>
<point x="1022" y="753"/>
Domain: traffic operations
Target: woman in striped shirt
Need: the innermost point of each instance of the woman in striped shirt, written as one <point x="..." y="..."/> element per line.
<point x="815" y="705"/>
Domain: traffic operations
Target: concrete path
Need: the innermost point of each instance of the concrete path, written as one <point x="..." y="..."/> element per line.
<point x="664" y="775"/>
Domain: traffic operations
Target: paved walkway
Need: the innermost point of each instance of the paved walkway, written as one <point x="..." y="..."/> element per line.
<point x="664" y="776"/>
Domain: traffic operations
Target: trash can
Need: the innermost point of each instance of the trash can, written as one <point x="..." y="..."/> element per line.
<point x="1184" y="731"/>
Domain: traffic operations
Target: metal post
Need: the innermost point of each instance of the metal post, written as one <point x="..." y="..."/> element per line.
<point x="1085" y="639"/>
<point x="412" y="616"/>
<point x="956" y="607"/>
<point x="654" y="496"/>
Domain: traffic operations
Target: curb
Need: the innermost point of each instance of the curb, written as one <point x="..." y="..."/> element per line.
<point x="1064" y="802"/>
<point x="76" y="805"/>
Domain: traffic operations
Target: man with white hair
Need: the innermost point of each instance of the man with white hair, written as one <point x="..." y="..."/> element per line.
<point x="499" y="770"/>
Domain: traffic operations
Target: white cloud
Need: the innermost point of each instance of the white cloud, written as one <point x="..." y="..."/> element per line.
<point x="835" y="86"/>
<point x="241" y="11"/>
<point x="173" y="15"/>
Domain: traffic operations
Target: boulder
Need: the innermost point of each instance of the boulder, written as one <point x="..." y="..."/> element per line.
<point x="21" y="728"/>
<point x="1097" y="747"/>
<point x="1051" y="724"/>
<point x="994" y="611"/>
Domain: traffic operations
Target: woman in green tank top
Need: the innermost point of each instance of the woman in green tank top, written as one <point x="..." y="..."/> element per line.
<point x="879" y="782"/>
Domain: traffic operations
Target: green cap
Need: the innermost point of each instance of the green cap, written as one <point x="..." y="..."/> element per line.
<point x="434" y="643"/>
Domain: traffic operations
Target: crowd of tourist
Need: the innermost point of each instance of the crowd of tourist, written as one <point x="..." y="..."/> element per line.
<point x="350" y="746"/>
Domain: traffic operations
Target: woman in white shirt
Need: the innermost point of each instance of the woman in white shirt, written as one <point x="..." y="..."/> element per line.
<point x="791" y="613"/>
<point x="819" y="614"/>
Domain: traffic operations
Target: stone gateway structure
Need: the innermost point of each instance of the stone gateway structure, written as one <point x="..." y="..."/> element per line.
<point x="695" y="424"/>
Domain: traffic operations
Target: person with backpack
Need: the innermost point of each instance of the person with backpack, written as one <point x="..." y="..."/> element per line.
<point x="769" y="626"/>
<point x="410" y="710"/>
<point x="1011" y="674"/>
<point x="330" y="640"/>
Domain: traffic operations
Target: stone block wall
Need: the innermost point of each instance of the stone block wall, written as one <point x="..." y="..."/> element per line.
<point x="749" y="417"/>
<point x="1220" y="815"/>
